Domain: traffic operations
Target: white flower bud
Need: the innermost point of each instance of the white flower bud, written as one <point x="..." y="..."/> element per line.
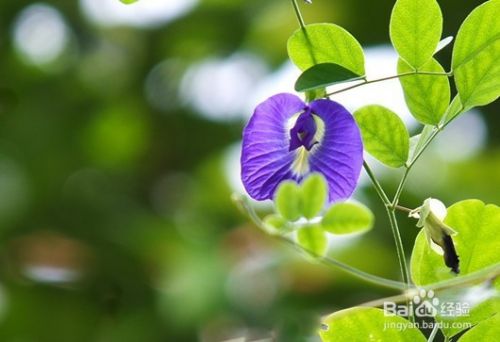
<point x="430" y="217"/>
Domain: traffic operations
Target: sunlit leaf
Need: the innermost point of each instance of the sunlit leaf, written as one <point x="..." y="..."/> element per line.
<point x="287" y="200"/>
<point x="415" y="30"/>
<point x="314" y="94"/>
<point x="477" y="244"/>
<point x="326" y="43"/>
<point x="276" y="223"/>
<point x="384" y="134"/>
<point x="128" y="1"/>
<point x="314" y="194"/>
<point x="476" y="56"/>
<point x="368" y="324"/>
<point x="427" y="96"/>
<point x="345" y="218"/>
<point x="323" y="75"/>
<point x="488" y="330"/>
<point x="454" y="109"/>
<point x="418" y="141"/>
<point x="313" y="239"/>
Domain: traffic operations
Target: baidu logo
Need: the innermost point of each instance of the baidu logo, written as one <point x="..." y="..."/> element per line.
<point x="425" y="304"/>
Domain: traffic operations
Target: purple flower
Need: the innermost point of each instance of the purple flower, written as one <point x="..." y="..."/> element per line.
<point x="287" y="139"/>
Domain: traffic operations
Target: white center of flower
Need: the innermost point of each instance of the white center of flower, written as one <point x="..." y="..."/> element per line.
<point x="300" y="165"/>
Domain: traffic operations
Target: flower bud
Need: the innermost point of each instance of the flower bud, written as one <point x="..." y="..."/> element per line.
<point x="430" y="217"/>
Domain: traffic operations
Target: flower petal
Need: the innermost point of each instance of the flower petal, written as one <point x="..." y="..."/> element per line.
<point x="339" y="156"/>
<point x="265" y="157"/>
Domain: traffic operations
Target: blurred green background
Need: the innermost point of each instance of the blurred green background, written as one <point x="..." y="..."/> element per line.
<point x="119" y="133"/>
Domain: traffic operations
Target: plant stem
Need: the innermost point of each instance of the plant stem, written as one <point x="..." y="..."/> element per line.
<point x="429" y="73"/>
<point x="401" y="208"/>
<point x="487" y="275"/>
<point x="393" y="222"/>
<point x="399" y="246"/>
<point x="376" y="185"/>
<point x="412" y="162"/>
<point x="246" y="208"/>
<point x="434" y="331"/>
<point x="298" y="14"/>
<point x="402" y="183"/>
<point x="368" y="277"/>
<point x="394" y="228"/>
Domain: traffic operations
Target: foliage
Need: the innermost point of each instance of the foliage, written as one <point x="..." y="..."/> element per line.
<point x="118" y="153"/>
<point x="465" y="232"/>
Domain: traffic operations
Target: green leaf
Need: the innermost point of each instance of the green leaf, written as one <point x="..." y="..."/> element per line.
<point x="128" y="1"/>
<point x="418" y="141"/>
<point x="276" y="223"/>
<point x="314" y="192"/>
<point x="345" y="218"/>
<point x="476" y="56"/>
<point x="323" y="75"/>
<point x="313" y="239"/>
<point x="415" y="30"/>
<point x="488" y="330"/>
<point x="427" y="96"/>
<point x="454" y="109"/>
<point x="368" y="324"/>
<point x="314" y="94"/>
<point x="384" y="134"/>
<point x="287" y="200"/>
<point x="326" y="43"/>
<point x="477" y="244"/>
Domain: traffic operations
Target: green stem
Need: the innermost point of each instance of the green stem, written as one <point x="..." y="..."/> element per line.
<point x="399" y="246"/>
<point x="246" y="208"/>
<point x="298" y="14"/>
<point x="368" y="277"/>
<point x="487" y="275"/>
<point x="376" y="184"/>
<point x="393" y="222"/>
<point x="434" y="331"/>
<point x="433" y="135"/>
<point x="404" y="209"/>
<point x="402" y="183"/>
<point x="394" y="228"/>
<point x="429" y="73"/>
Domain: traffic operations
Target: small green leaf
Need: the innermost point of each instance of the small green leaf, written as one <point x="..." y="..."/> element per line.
<point x="476" y="56"/>
<point x="313" y="239"/>
<point x="415" y="30"/>
<point x="345" y="218"/>
<point x="314" y="94"/>
<point x="427" y="96"/>
<point x="314" y="192"/>
<point x="454" y="109"/>
<point x="128" y="1"/>
<point x="276" y="223"/>
<point x="477" y="244"/>
<point x="368" y="324"/>
<point x="287" y="200"/>
<point x="418" y="141"/>
<point x="384" y="134"/>
<point x="488" y="330"/>
<point x="326" y="43"/>
<point x="323" y="75"/>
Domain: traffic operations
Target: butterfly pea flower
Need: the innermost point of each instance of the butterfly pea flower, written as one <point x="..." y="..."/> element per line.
<point x="286" y="139"/>
<point x="439" y="235"/>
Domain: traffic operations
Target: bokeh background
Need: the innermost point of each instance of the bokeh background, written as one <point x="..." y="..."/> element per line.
<point x="119" y="144"/>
